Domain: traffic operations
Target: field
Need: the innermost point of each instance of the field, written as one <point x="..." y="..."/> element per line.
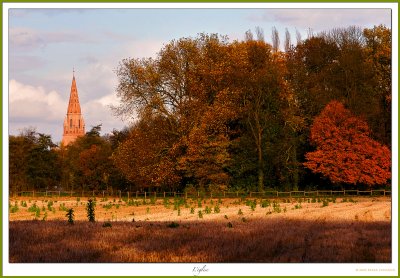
<point x="209" y="230"/>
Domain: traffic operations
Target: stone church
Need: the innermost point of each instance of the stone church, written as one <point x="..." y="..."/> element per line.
<point x="74" y="125"/>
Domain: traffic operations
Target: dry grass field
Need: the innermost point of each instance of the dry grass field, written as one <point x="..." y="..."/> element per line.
<point x="229" y="230"/>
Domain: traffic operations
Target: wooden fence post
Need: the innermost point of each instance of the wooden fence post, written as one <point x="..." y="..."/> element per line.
<point x="59" y="193"/>
<point x="277" y="193"/>
<point x="371" y="192"/>
<point x="145" y="195"/>
<point x="155" y="194"/>
<point x="384" y="192"/>
<point x="174" y="194"/>
<point x="250" y="194"/>
<point x="164" y="194"/>
<point x="317" y="193"/>
<point x="120" y="194"/>
<point x="357" y="192"/>
<point x="237" y="194"/>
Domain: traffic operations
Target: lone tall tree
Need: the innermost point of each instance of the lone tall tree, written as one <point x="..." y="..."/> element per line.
<point x="345" y="153"/>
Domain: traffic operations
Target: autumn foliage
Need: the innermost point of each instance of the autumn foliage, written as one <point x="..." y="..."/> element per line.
<point x="207" y="113"/>
<point x="345" y="152"/>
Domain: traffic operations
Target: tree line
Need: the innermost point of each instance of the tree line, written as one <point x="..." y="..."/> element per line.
<point x="211" y="114"/>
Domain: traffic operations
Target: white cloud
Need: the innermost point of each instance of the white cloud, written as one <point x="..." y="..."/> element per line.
<point x="142" y="48"/>
<point x="28" y="38"/>
<point x="37" y="107"/>
<point x="31" y="103"/>
<point x="323" y="19"/>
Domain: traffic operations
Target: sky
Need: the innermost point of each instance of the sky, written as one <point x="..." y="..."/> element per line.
<point x="45" y="45"/>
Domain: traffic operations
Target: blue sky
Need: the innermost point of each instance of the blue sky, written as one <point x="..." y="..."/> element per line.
<point x="45" y="44"/>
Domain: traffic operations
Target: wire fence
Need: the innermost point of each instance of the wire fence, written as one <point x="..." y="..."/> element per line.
<point x="200" y="194"/>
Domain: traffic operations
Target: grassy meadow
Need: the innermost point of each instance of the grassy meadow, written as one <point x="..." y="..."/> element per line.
<point x="202" y="230"/>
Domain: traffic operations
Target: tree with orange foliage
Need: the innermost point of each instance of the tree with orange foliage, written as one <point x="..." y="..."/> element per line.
<point x="345" y="152"/>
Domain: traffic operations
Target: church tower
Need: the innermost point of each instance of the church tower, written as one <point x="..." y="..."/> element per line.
<point x="74" y="125"/>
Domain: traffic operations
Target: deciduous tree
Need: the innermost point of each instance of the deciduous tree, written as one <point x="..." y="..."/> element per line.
<point x="345" y="153"/>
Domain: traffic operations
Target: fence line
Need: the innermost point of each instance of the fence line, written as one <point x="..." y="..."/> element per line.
<point x="223" y="194"/>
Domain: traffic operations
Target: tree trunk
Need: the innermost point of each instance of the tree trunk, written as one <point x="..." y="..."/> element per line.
<point x="260" y="166"/>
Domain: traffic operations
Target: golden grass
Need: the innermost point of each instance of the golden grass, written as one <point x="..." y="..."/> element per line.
<point x="340" y="232"/>
<point x="259" y="240"/>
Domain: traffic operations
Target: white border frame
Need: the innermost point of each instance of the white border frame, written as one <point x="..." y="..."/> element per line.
<point x="165" y="269"/>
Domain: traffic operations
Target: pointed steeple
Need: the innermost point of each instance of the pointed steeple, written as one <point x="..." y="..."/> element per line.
<point x="73" y="105"/>
<point x="74" y="125"/>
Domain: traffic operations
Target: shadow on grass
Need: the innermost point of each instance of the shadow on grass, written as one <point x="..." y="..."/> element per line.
<point x="262" y="240"/>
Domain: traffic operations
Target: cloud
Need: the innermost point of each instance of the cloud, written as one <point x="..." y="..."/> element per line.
<point x="143" y="48"/>
<point x="28" y="38"/>
<point x="33" y="104"/>
<point x="322" y="19"/>
<point x="20" y="63"/>
<point x="48" y="12"/>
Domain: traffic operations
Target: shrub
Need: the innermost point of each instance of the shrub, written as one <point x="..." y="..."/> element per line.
<point x="229" y="225"/>
<point x="33" y="208"/>
<point x="265" y="203"/>
<point x="107" y="224"/>
<point x="240" y="212"/>
<point x="90" y="207"/>
<point x="173" y="225"/>
<point x="166" y="203"/>
<point x="226" y="216"/>
<point x="207" y="210"/>
<point x="244" y="219"/>
<point x="62" y="207"/>
<point x="44" y="216"/>
<point x="325" y="203"/>
<point x="70" y="215"/>
<point x="297" y="206"/>
<point x="276" y="207"/>
<point x="200" y="214"/>
<point x="49" y="205"/>
<point x="192" y="210"/>
<point x="216" y="209"/>
<point x="107" y="206"/>
<point x="15" y="208"/>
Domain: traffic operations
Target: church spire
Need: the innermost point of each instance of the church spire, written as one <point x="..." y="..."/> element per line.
<point x="74" y="125"/>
